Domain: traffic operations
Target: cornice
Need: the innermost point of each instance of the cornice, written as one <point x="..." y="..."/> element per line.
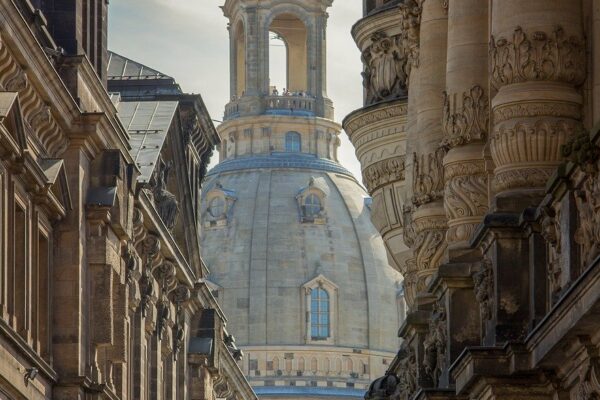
<point x="386" y="20"/>
<point x="365" y="116"/>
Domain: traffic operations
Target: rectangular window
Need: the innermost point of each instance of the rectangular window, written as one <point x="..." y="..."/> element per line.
<point x="41" y="304"/>
<point x="319" y="314"/>
<point x="21" y="276"/>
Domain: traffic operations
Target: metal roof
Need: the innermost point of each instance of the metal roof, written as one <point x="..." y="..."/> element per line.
<point x="148" y="123"/>
<point x="120" y="67"/>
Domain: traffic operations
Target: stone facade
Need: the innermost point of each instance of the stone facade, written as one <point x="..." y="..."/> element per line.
<point x="295" y="261"/>
<point x="493" y="109"/>
<point x="102" y="290"/>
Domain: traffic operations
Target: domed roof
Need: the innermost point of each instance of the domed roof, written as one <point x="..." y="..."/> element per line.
<point x="264" y="252"/>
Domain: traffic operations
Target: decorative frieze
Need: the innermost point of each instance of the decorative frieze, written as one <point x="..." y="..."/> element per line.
<point x="367" y="118"/>
<point x="537" y="56"/>
<point x="526" y="152"/>
<point x="384" y="172"/>
<point x="467" y="122"/>
<point x="537" y="109"/>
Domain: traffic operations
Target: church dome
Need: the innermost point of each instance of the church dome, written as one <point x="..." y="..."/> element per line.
<point x="294" y="259"/>
<point x="301" y="273"/>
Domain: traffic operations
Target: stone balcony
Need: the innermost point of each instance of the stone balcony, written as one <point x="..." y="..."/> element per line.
<point x="288" y="105"/>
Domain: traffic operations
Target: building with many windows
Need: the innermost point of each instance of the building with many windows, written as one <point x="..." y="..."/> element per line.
<point x="102" y="290"/>
<point x="295" y="261"/>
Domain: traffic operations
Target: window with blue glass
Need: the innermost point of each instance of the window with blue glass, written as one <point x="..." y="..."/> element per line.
<point x="292" y="142"/>
<point x="319" y="314"/>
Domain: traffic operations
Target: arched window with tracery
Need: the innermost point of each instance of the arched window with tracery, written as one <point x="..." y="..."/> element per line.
<point x="319" y="314"/>
<point x="292" y="142"/>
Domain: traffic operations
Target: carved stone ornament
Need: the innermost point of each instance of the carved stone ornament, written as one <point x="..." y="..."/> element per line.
<point x="484" y="289"/>
<point x="178" y="337"/>
<point x="587" y="235"/>
<point x="221" y="387"/>
<point x="384" y="172"/>
<point x="428" y="177"/>
<point x="550" y="227"/>
<point x="589" y="381"/>
<point x="180" y="295"/>
<point x="468" y="122"/>
<point x="537" y="56"/>
<point x="581" y="151"/>
<point x="382" y="388"/>
<point x="165" y="275"/>
<point x="466" y="197"/>
<point x="165" y="202"/>
<point x="410" y="21"/>
<point x="435" y="344"/>
<point x="385" y="74"/>
<point x="516" y="148"/>
<point x="146" y="293"/>
<point x="407" y="374"/>
<point x="163" y="312"/>
<point x="429" y="248"/>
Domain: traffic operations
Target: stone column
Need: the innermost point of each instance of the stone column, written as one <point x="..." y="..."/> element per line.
<point x="465" y="120"/>
<point x="253" y="60"/>
<point x="429" y="218"/>
<point x="537" y="61"/>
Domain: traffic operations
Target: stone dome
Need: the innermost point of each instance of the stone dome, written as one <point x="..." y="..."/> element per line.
<point x="277" y="227"/>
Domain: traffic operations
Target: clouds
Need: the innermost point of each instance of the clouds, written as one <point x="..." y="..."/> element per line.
<point x="188" y="39"/>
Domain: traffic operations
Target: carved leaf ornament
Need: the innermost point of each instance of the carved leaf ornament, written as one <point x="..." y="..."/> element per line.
<point x="537" y="56"/>
<point x="470" y="122"/>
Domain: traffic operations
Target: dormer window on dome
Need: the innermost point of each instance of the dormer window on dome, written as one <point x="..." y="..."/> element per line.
<point x="219" y="207"/>
<point x="311" y="201"/>
<point x="293" y="142"/>
<point x="312" y="206"/>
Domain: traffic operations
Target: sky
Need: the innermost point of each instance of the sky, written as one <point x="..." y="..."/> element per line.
<point x="188" y="40"/>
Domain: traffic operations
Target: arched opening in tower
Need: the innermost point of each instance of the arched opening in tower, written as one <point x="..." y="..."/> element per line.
<point x="239" y="35"/>
<point x="288" y="66"/>
<point x="278" y="68"/>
